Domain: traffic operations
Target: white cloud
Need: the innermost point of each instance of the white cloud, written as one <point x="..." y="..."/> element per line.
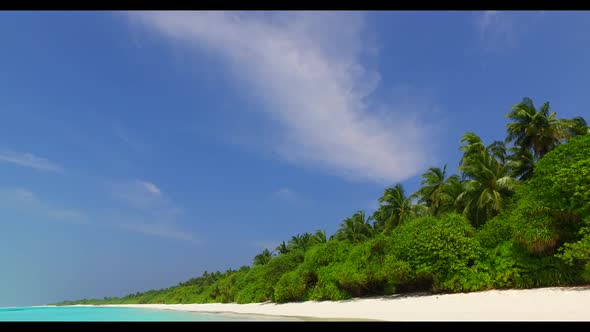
<point x="307" y="69"/>
<point x="26" y="201"/>
<point x="29" y="160"/>
<point x="129" y="138"/>
<point x="284" y="192"/>
<point x="24" y="195"/>
<point x="140" y="194"/>
<point x="150" y="187"/>
<point x="146" y="210"/>
<point x="289" y="196"/>
<point x="497" y="30"/>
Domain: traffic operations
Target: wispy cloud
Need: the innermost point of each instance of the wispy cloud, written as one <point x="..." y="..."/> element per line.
<point x="150" y="187"/>
<point x="128" y="137"/>
<point x="147" y="210"/>
<point x="308" y="69"/>
<point x="290" y="196"/>
<point x="29" y="160"/>
<point x="26" y="201"/>
<point x="284" y="193"/>
<point x="497" y="30"/>
<point x="140" y="194"/>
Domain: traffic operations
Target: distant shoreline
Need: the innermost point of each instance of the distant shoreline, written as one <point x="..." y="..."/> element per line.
<point x="539" y="304"/>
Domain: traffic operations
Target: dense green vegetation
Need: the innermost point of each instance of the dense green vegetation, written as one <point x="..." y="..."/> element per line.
<point x="516" y="216"/>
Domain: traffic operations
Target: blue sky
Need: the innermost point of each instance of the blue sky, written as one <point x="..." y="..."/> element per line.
<point x="138" y="150"/>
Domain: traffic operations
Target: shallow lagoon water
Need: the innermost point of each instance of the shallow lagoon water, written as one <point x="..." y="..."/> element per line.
<point x="110" y="314"/>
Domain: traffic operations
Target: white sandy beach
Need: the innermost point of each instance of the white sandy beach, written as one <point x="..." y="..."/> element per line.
<point x="541" y="304"/>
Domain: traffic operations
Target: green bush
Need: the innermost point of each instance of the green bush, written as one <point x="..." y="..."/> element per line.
<point x="435" y="249"/>
<point x="561" y="178"/>
<point x="495" y="231"/>
<point x="327" y="286"/>
<point x="258" y="283"/>
<point x="577" y="254"/>
<point x="291" y="286"/>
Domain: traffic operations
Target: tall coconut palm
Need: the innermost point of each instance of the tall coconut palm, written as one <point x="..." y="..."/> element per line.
<point x="455" y="186"/>
<point x="282" y="248"/>
<point x="522" y="163"/>
<point x="578" y="126"/>
<point x="301" y="241"/>
<point x="355" y="229"/>
<point x="488" y="183"/>
<point x="473" y="146"/>
<point x="435" y="192"/>
<point x="395" y="208"/>
<point x="320" y="236"/>
<point x="540" y="130"/>
<point x="263" y="258"/>
<point x="498" y="150"/>
<point x="431" y="188"/>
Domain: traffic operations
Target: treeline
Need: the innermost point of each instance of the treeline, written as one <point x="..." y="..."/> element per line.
<point x="516" y="216"/>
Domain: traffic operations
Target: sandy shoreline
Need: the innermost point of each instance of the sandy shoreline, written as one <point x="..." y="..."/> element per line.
<point x="541" y="304"/>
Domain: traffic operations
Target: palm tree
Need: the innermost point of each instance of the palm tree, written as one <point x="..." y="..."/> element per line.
<point x="263" y="258"/>
<point x="498" y="150"/>
<point x="320" y="236"/>
<point x="435" y="191"/>
<point x="355" y="229"/>
<point x="395" y="208"/>
<point x="455" y="186"/>
<point x="282" y="248"/>
<point x="578" y="126"/>
<point x="473" y="147"/>
<point x="488" y="179"/>
<point x="522" y="163"/>
<point x="301" y="241"/>
<point x="539" y="130"/>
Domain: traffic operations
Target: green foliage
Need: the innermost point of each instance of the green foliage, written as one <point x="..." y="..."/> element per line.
<point x="355" y="229"/>
<point x="258" y="283"/>
<point x="541" y="131"/>
<point x="262" y="258"/>
<point x="488" y="184"/>
<point x="495" y="231"/>
<point x="291" y="286"/>
<point x="578" y="253"/>
<point x="530" y="233"/>
<point x="551" y="205"/>
<point x="327" y="287"/>
<point x="446" y="246"/>
<point x="394" y="209"/>
<point x="562" y="178"/>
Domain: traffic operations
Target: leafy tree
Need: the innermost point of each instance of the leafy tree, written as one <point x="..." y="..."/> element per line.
<point x="489" y="183"/>
<point x="551" y="205"/>
<point x="438" y="192"/>
<point x="562" y="178"/>
<point x="446" y="246"/>
<point x="578" y="126"/>
<point x="540" y="130"/>
<point x="522" y="163"/>
<point x="263" y="258"/>
<point x="301" y="241"/>
<point x="355" y="229"/>
<point x="320" y="236"/>
<point x="395" y="208"/>
<point x="282" y="248"/>
<point x="536" y="231"/>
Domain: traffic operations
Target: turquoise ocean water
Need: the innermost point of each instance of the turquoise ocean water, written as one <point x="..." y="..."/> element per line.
<point x="94" y="314"/>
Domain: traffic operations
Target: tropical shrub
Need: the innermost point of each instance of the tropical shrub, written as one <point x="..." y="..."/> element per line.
<point x="435" y="248"/>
